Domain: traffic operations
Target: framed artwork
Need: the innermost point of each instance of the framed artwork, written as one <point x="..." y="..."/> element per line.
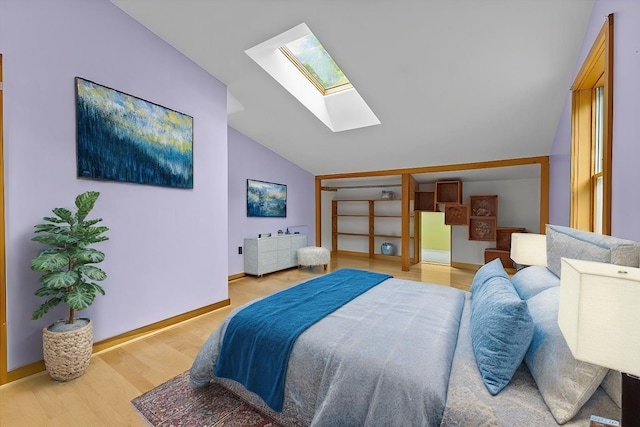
<point x="123" y="138"/>
<point x="266" y="199"/>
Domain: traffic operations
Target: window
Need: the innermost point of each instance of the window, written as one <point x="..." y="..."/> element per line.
<point x="311" y="58"/>
<point x="345" y="109"/>
<point x="591" y="122"/>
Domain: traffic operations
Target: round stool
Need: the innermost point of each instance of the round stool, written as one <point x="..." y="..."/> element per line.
<point x="313" y="255"/>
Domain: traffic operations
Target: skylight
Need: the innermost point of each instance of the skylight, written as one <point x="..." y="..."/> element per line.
<point x="311" y="58"/>
<point x="333" y="100"/>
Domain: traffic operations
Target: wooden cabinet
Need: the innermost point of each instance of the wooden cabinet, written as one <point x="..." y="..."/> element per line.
<point x="449" y="192"/>
<point x="268" y="254"/>
<point x="503" y="236"/>
<point x="484" y="217"/>
<point x="505" y="257"/>
<point x="503" y="246"/>
<point x="372" y="220"/>
<point x="425" y="201"/>
<point x="455" y="214"/>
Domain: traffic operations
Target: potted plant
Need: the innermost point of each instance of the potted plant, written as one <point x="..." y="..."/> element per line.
<point x="69" y="274"/>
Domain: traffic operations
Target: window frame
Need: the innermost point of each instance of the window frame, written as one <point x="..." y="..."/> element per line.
<point x="596" y="71"/>
<point x="314" y="81"/>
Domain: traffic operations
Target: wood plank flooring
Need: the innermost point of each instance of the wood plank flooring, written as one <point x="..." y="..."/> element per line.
<point x="102" y="396"/>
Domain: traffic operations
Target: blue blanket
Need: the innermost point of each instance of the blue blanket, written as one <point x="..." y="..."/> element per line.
<point x="258" y="340"/>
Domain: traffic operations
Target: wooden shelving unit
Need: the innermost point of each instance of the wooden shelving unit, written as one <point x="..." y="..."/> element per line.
<point x="425" y="201"/>
<point x="483" y="220"/>
<point x="503" y="236"/>
<point x="503" y="246"/>
<point x="455" y="214"/>
<point x="449" y="192"/>
<point x="368" y="229"/>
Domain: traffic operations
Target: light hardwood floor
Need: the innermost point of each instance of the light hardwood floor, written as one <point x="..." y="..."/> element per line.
<point x="102" y="396"/>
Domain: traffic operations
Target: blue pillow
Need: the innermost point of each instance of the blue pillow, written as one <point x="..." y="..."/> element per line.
<point x="487" y="272"/>
<point x="501" y="331"/>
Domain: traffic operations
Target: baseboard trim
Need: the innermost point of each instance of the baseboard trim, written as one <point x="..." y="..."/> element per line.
<point x="236" y="276"/>
<point x="154" y="327"/>
<point x="465" y="266"/>
<point x="37" y="367"/>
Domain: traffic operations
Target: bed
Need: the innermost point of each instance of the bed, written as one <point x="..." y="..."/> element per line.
<point x="407" y="353"/>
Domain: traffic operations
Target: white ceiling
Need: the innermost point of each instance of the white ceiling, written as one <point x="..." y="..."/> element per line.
<point x="452" y="81"/>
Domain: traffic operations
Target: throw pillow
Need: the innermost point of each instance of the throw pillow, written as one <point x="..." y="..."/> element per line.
<point x="532" y="280"/>
<point x="571" y="243"/>
<point x="486" y="272"/>
<point x="501" y="331"/>
<point x="564" y="382"/>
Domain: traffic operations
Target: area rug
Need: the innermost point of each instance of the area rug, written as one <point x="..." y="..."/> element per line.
<point x="175" y="403"/>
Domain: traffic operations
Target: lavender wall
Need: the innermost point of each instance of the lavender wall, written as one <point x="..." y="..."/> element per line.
<point x="167" y="254"/>
<point x="248" y="159"/>
<point x="626" y="126"/>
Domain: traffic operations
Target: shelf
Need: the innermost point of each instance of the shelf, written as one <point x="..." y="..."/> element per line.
<point x="357" y="215"/>
<point x="449" y="192"/>
<point x="425" y="201"/>
<point x="367" y="200"/>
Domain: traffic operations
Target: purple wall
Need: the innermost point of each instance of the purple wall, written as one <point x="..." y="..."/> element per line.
<point x="168" y="249"/>
<point x="248" y="159"/>
<point x="626" y="123"/>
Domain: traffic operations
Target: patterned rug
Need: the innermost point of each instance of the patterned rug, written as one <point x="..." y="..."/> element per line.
<point x="175" y="403"/>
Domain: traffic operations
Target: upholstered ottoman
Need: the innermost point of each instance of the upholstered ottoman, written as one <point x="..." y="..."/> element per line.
<point x="313" y="255"/>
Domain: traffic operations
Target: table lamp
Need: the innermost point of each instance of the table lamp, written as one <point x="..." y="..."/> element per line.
<point x="599" y="316"/>
<point x="528" y="249"/>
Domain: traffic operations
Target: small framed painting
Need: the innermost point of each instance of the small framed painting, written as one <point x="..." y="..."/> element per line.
<point x="266" y="199"/>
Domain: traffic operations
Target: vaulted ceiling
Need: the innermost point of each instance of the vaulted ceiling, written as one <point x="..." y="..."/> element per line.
<point x="452" y="81"/>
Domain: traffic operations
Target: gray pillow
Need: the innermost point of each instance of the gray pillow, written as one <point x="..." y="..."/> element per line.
<point x="571" y="243"/>
<point x="564" y="382"/>
<point x="532" y="280"/>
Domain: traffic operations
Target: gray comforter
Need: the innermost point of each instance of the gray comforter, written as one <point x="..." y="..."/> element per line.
<point x="384" y="359"/>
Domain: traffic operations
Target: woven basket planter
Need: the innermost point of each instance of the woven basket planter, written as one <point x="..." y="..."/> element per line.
<point x="67" y="354"/>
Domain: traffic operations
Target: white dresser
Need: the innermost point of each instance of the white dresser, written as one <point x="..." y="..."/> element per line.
<point x="267" y="254"/>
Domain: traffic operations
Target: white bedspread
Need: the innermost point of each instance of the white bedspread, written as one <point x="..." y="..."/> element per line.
<point x="384" y="359"/>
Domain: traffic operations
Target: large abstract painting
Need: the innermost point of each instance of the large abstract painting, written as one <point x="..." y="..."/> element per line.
<point x="124" y="138"/>
<point x="266" y="199"/>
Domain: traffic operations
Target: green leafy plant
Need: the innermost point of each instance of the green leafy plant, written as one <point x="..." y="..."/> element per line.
<point x="68" y="261"/>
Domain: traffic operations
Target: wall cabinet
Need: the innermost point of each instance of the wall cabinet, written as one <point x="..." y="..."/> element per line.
<point x="484" y="217"/>
<point x="503" y="246"/>
<point x="372" y="220"/>
<point x="449" y="192"/>
<point x="268" y="254"/>
<point x="425" y="200"/>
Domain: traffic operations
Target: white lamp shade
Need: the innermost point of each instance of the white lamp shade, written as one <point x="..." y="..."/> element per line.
<point x="599" y="313"/>
<point x="529" y="249"/>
